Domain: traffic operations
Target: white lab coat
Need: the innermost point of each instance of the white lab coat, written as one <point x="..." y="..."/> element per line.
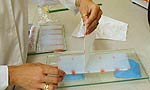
<point x="14" y="34"/>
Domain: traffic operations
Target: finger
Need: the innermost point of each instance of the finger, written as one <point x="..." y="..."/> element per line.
<point x="93" y="15"/>
<point x="84" y="13"/>
<point x="35" y="89"/>
<point x="99" y="16"/>
<point x="37" y="86"/>
<point x="55" y="80"/>
<point x="53" y="70"/>
<point x="61" y="73"/>
<point x="52" y="87"/>
<point x="85" y="18"/>
<point x="92" y="27"/>
<point x="94" y="24"/>
<point x="47" y="69"/>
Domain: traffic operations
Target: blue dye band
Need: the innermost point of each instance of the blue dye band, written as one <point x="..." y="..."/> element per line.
<point x="75" y="77"/>
<point x="133" y="72"/>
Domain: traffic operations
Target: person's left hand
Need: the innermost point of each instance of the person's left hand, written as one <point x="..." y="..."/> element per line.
<point x="91" y="13"/>
<point x="35" y="76"/>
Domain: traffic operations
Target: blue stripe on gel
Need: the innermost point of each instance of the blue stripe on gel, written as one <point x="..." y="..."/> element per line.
<point x="75" y="77"/>
<point x="133" y="72"/>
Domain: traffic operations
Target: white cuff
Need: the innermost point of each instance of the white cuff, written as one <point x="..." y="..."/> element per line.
<point x="3" y="77"/>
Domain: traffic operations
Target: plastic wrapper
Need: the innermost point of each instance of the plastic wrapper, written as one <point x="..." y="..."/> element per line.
<point x="46" y="2"/>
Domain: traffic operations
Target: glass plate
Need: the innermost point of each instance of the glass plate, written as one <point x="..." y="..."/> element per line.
<point x="98" y="78"/>
<point x="52" y="32"/>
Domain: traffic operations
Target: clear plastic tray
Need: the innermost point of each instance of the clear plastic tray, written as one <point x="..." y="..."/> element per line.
<point x="98" y="78"/>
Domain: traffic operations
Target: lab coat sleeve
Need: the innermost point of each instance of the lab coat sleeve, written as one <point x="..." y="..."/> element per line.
<point x="3" y="77"/>
<point x="70" y="4"/>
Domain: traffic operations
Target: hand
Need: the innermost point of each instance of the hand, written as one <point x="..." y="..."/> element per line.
<point x="34" y="76"/>
<point x="91" y="13"/>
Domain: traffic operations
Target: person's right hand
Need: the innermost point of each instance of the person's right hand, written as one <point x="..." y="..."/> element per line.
<point x="34" y="76"/>
<point x="90" y="13"/>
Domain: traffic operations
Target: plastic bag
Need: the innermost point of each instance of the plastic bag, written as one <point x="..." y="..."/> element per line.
<point x="46" y="2"/>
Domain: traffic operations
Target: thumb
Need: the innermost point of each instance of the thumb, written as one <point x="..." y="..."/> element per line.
<point x="84" y="18"/>
<point x="84" y="14"/>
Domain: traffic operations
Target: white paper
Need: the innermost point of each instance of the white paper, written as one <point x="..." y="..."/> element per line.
<point x="88" y="42"/>
<point x="108" y="62"/>
<point x="111" y="29"/>
<point x="74" y="64"/>
<point x="108" y="28"/>
<point x="88" y="45"/>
